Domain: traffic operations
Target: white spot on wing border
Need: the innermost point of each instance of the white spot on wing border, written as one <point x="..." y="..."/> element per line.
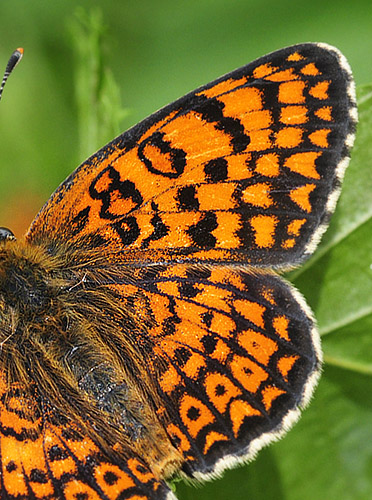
<point x="349" y="142"/>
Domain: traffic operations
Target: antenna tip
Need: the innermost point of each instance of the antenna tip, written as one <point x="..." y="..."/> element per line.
<point x="12" y="63"/>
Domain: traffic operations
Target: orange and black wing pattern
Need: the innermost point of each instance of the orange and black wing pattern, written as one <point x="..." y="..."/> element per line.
<point x="244" y="169"/>
<point x="44" y="457"/>
<point x="144" y="332"/>
<point x="235" y="354"/>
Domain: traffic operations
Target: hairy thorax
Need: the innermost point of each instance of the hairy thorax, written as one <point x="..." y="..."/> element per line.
<point x="66" y="337"/>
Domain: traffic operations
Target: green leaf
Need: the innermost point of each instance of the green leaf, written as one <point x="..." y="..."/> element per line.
<point x="328" y="454"/>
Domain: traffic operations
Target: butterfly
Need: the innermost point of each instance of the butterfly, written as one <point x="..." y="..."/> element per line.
<point x="144" y="330"/>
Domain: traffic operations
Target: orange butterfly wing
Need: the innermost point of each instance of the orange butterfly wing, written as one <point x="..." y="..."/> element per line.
<point x="235" y="355"/>
<point x="239" y="170"/>
<point x="44" y="460"/>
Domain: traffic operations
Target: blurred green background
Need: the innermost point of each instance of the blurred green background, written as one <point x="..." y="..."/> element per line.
<point x="157" y="51"/>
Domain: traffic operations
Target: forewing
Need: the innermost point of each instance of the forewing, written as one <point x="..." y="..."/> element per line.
<point x="42" y="460"/>
<point x="244" y="169"/>
<point x="235" y="355"/>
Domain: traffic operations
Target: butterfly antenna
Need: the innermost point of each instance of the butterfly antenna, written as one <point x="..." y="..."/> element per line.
<point x="12" y="63"/>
